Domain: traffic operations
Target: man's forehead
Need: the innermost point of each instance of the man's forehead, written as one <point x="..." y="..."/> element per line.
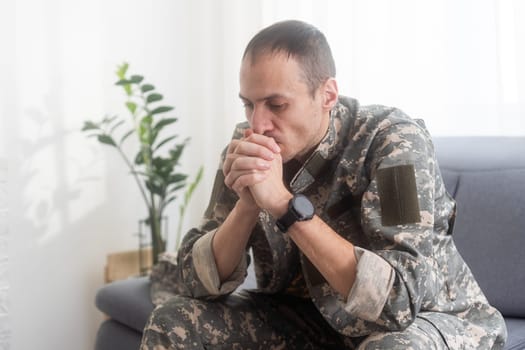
<point x="271" y="79"/>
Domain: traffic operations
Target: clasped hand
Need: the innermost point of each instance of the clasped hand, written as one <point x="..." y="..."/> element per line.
<point x="253" y="169"/>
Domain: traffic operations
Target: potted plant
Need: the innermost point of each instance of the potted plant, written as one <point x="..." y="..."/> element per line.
<point x="154" y="164"/>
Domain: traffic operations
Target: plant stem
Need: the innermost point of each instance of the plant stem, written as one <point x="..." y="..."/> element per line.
<point x="157" y="243"/>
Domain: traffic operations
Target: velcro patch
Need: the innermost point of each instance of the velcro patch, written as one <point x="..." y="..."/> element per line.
<point x="398" y="195"/>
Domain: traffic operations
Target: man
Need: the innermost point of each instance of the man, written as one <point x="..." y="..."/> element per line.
<point x="347" y="217"/>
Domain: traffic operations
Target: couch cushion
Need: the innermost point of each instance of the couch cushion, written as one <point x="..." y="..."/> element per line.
<point x="516" y="330"/>
<point x="127" y="301"/>
<point x="487" y="178"/>
<point x="113" y="335"/>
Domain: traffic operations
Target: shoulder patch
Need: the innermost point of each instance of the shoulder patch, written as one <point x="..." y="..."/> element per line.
<point x="398" y="195"/>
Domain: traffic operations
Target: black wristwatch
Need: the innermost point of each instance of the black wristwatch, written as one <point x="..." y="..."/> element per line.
<point x="299" y="209"/>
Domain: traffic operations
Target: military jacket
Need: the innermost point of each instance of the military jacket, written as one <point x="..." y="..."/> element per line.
<point x="374" y="179"/>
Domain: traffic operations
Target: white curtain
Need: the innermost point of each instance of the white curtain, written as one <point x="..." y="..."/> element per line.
<point x="4" y="283"/>
<point x="459" y="65"/>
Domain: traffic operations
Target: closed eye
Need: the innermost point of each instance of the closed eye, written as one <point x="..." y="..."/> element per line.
<point x="277" y="107"/>
<point x="247" y="105"/>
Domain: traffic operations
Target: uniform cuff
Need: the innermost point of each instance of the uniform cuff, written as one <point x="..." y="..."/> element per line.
<point x="372" y="285"/>
<point x="206" y="268"/>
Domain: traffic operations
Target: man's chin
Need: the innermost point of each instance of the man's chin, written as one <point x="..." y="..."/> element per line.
<point x="286" y="158"/>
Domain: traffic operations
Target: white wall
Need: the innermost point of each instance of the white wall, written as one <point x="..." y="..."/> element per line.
<point x="71" y="201"/>
<point x="4" y="256"/>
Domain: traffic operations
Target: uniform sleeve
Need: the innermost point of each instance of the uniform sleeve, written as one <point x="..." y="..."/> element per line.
<point x="396" y="274"/>
<point x="397" y="214"/>
<point x="196" y="268"/>
<point x="206" y="269"/>
<point x="195" y="260"/>
<point x="372" y="286"/>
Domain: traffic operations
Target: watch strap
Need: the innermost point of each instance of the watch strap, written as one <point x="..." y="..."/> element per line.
<point x="299" y="209"/>
<point x="287" y="220"/>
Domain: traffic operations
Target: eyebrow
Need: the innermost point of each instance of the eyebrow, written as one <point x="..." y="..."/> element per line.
<point x="266" y="98"/>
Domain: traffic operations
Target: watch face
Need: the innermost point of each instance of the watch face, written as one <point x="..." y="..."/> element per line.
<point x="303" y="206"/>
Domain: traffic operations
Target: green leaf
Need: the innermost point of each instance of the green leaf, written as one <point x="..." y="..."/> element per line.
<point x="176" y="187"/>
<point x="126" y="84"/>
<point x="89" y="125"/>
<point x="145" y="129"/>
<point x="169" y="200"/>
<point x="132" y="107"/>
<point x="156" y="186"/>
<point x="126" y="135"/>
<point x="153" y="98"/>
<point x="114" y="127"/>
<point x="163" y="167"/>
<point x="163" y="142"/>
<point x="157" y="128"/>
<point x="152" y="187"/>
<point x="122" y="69"/>
<point x="123" y="82"/>
<point x="107" y="120"/>
<point x="192" y="186"/>
<point x="176" y="153"/>
<point x="177" y="178"/>
<point x="139" y="158"/>
<point x="136" y="79"/>
<point x="143" y="156"/>
<point x="106" y="139"/>
<point x="162" y="109"/>
<point x="153" y="135"/>
<point x="187" y="196"/>
<point x="162" y="123"/>
<point x="147" y="120"/>
<point x="147" y="87"/>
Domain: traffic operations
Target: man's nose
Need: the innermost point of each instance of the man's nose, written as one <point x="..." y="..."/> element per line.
<point x="261" y="120"/>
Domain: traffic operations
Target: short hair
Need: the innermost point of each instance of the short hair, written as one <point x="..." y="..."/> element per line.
<point x="301" y="41"/>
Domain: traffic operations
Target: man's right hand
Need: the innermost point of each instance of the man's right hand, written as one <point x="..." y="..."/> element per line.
<point x="247" y="163"/>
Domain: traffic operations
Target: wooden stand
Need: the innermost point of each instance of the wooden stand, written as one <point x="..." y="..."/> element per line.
<point x="126" y="264"/>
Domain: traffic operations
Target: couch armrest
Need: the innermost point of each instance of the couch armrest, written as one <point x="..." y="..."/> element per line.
<point x="127" y="301"/>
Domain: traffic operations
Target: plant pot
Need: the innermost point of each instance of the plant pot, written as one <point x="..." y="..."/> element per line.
<point x="152" y="238"/>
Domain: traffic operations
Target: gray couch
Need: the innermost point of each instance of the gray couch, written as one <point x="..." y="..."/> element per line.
<point x="486" y="175"/>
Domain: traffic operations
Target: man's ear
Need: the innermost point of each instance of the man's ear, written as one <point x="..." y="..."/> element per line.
<point x="330" y="93"/>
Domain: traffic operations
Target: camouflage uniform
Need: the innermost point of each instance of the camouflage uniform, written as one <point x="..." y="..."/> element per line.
<point x="374" y="179"/>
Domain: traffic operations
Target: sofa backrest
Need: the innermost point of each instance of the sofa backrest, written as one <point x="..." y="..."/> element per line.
<point x="486" y="176"/>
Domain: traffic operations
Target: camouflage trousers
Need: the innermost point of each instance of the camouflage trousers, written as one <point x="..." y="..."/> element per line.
<point x="257" y="321"/>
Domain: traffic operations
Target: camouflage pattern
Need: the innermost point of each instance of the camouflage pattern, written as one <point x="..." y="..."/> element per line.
<point x="413" y="289"/>
<point x="245" y="320"/>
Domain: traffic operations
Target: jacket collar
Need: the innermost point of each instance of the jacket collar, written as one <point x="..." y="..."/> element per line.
<point x="330" y="146"/>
